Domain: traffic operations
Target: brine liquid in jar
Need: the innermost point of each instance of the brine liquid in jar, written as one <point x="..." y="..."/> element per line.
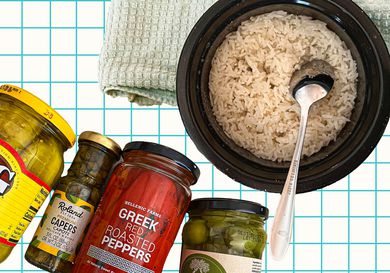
<point x="224" y="236"/>
<point x="33" y="139"/>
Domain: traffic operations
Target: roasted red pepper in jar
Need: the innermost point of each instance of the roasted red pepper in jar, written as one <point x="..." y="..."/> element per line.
<point x="140" y="213"/>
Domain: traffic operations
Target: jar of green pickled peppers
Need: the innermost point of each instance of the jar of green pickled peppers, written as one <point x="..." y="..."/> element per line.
<point x="63" y="225"/>
<point x="224" y="236"/>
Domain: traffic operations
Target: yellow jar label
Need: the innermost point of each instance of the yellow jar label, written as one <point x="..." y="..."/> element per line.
<point x="63" y="225"/>
<point x="21" y="195"/>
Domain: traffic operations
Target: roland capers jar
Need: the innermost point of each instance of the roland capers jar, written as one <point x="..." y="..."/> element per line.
<point x="33" y="139"/>
<point x="224" y="235"/>
<point x="63" y="225"/>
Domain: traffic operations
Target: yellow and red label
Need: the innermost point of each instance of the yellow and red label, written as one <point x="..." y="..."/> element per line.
<point x="21" y="195"/>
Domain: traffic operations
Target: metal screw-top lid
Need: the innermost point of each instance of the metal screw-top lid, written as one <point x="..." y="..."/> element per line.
<point x="101" y="140"/>
<point x="229" y="204"/>
<point x="167" y="152"/>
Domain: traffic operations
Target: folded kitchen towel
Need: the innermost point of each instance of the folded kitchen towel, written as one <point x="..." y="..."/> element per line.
<point x="144" y="39"/>
<point x="379" y="12"/>
<point x="143" y="42"/>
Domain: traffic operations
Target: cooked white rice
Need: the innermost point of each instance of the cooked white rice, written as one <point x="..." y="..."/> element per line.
<point x="249" y="84"/>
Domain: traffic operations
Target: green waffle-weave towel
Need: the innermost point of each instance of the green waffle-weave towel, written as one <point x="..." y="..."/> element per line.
<point x="144" y="39"/>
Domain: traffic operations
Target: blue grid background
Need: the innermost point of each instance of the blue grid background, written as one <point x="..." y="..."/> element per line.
<point x="51" y="48"/>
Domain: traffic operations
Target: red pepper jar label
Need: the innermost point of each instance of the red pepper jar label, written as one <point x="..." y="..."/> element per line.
<point x="134" y="238"/>
<point x="134" y="226"/>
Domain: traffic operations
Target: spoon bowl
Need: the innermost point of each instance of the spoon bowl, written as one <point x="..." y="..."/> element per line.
<point x="307" y="95"/>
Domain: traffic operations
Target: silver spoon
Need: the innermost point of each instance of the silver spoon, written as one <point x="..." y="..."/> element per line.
<point x="308" y="85"/>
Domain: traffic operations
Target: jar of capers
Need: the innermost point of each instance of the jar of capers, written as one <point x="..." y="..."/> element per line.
<point x="33" y="139"/>
<point x="224" y="235"/>
<point x="62" y="228"/>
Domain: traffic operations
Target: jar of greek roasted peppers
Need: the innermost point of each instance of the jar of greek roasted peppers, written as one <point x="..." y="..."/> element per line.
<point x="65" y="221"/>
<point x="140" y="213"/>
<point x="33" y="139"/>
<point x="224" y="236"/>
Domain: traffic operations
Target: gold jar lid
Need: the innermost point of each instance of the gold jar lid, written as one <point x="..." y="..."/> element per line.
<point x="102" y="140"/>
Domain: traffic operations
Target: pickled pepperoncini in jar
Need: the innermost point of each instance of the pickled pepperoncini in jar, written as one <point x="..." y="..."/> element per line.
<point x="58" y="237"/>
<point x="225" y="235"/>
<point x="33" y="139"/>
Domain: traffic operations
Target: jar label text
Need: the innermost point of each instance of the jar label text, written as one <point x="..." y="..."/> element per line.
<point x="63" y="225"/>
<point x="195" y="261"/>
<point x="21" y="195"/>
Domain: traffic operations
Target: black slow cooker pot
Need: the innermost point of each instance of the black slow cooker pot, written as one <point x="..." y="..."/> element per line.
<point x="356" y="141"/>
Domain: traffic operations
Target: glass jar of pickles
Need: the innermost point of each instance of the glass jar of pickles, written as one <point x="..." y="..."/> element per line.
<point x="33" y="139"/>
<point x="224" y="236"/>
<point x="64" y="223"/>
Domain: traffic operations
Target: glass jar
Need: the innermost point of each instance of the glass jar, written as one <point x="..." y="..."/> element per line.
<point x="64" y="223"/>
<point x="224" y="235"/>
<point x="33" y="139"/>
<point x="140" y="213"/>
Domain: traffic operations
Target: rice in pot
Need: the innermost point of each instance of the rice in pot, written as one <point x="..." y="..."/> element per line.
<point x="249" y="84"/>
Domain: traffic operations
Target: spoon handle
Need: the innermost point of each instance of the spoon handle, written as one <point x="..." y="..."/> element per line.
<point x="282" y="227"/>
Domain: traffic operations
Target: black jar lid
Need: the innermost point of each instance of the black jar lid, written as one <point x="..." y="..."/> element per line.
<point x="229" y="204"/>
<point x="167" y="152"/>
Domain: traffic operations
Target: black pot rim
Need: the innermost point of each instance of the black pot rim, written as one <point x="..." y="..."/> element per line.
<point x="321" y="179"/>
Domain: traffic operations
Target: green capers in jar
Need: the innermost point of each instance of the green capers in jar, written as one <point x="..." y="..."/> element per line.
<point x="82" y="189"/>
